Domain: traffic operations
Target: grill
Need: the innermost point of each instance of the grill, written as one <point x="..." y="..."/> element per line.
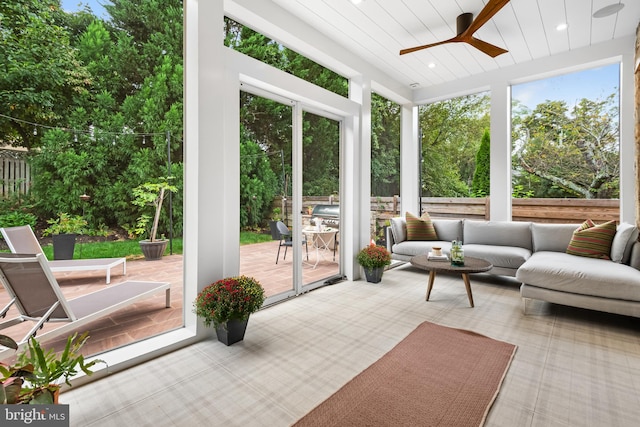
<point x="330" y="214"/>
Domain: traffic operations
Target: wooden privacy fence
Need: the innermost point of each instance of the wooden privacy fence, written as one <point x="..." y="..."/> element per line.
<point x="15" y="173"/>
<point x="534" y="210"/>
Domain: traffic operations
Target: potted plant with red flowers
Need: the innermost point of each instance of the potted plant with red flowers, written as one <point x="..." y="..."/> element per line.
<point x="373" y="259"/>
<point x="227" y="305"/>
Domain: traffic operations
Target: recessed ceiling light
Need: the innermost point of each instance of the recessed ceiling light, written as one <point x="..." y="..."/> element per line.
<point x="431" y="65"/>
<point x="562" y="27"/>
<point x="414" y="85"/>
<point x="608" y="10"/>
<point x="356" y="1"/>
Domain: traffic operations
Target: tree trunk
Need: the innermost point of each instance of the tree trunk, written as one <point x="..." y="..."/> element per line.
<point x="154" y="229"/>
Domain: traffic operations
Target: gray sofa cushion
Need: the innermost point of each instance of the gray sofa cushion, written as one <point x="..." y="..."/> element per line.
<point x="626" y="234"/>
<point x="419" y="247"/>
<point x="500" y="256"/>
<point x="448" y="229"/>
<point x="552" y="237"/>
<point x="580" y="275"/>
<point x="499" y="233"/>
<point x="399" y="229"/>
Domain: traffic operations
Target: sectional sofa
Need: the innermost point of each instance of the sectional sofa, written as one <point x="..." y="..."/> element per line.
<point x="536" y="255"/>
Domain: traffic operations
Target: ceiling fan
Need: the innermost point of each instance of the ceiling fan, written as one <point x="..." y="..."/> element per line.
<point x="466" y="26"/>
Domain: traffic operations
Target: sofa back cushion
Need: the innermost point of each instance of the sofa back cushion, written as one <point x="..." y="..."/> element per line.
<point x="399" y="229"/>
<point x="626" y="235"/>
<point x="448" y="229"/>
<point x="499" y="233"/>
<point x="552" y="237"/>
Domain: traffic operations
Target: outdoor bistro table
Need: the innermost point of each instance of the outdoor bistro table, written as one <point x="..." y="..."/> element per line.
<point x="471" y="265"/>
<point x="323" y="239"/>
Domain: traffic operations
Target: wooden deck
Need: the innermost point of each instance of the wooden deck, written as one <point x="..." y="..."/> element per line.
<point x="149" y="317"/>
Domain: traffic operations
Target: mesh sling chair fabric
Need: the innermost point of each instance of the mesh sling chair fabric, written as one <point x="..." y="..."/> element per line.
<point x="21" y="240"/>
<point x="286" y="241"/>
<point x="35" y="293"/>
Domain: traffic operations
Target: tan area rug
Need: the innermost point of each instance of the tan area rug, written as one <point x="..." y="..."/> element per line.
<point x="436" y="376"/>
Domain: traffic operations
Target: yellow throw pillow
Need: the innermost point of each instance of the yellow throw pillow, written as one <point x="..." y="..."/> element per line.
<point x="593" y="241"/>
<point x="420" y="228"/>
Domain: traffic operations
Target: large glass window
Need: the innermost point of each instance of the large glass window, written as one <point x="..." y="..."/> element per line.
<point x="452" y="134"/>
<point x="260" y="47"/>
<point x="385" y="163"/>
<point x="565" y="136"/>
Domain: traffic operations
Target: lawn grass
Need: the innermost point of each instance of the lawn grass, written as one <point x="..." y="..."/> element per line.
<point x="130" y="249"/>
<point x="250" y="237"/>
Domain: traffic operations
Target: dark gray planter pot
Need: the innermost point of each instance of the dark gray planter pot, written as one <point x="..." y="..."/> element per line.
<point x="232" y="331"/>
<point x="153" y="251"/>
<point x="374" y="275"/>
<point x="63" y="246"/>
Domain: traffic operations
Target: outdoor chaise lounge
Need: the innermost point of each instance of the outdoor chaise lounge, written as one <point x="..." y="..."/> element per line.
<point x="21" y="240"/>
<point x="37" y="296"/>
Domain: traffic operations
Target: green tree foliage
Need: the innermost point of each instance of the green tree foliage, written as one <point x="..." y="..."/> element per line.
<point x="385" y="147"/>
<point x="451" y="131"/>
<point x="568" y="152"/>
<point x="268" y="123"/>
<point x="320" y="156"/>
<point x="41" y="77"/>
<point x="258" y="184"/>
<point x="110" y="94"/>
<point x="481" y="177"/>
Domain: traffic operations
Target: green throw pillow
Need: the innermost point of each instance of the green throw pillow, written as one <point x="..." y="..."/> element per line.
<point x="420" y="228"/>
<point x="593" y="241"/>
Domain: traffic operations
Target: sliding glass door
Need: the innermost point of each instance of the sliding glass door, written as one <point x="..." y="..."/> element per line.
<point x="320" y="197"/>
<point x="289" y="165"/>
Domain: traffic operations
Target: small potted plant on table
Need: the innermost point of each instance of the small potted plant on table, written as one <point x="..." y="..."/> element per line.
<point x="227" y="305"/>
<point x="64" y="230"/>
<point x="373" y="259"/>
<point x="145" y="195"/>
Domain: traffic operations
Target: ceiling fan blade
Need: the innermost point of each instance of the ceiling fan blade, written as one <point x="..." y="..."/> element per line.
<point x="426" y="46"/>
<point x="485" y="14"/>
<point x="488" y="48"/>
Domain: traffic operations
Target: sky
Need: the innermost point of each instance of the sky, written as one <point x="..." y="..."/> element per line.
<point x="77" y="5"/>
<point x="595" y="83"/>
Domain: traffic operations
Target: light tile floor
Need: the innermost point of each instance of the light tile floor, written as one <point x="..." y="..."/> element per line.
<point x="572" y="367"/>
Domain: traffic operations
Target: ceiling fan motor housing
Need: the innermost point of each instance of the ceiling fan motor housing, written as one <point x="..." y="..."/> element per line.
<point x="463" y="22"/>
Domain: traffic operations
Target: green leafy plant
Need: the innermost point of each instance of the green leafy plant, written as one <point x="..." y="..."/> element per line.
<point x="374" y="256"/>
<point x="10" y="385"/>
<point x="151" y="194"/>
<point x="17" y="218"/>
<point x="65" y="224"/>
<point x="37" y="375"/>
<point x="229" y="298"/>
<point x="276" y="214"/>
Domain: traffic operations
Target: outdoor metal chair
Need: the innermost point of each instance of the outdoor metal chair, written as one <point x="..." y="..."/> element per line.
<point x="287" y="241"/>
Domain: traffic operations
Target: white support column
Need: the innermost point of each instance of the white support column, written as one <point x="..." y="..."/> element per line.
<point x="410" y="146"/>
<point x="360" y="92"/>
<point x="500" y="175"/>
<point x="206" y="154"/>
<point x="627" y="144"/>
